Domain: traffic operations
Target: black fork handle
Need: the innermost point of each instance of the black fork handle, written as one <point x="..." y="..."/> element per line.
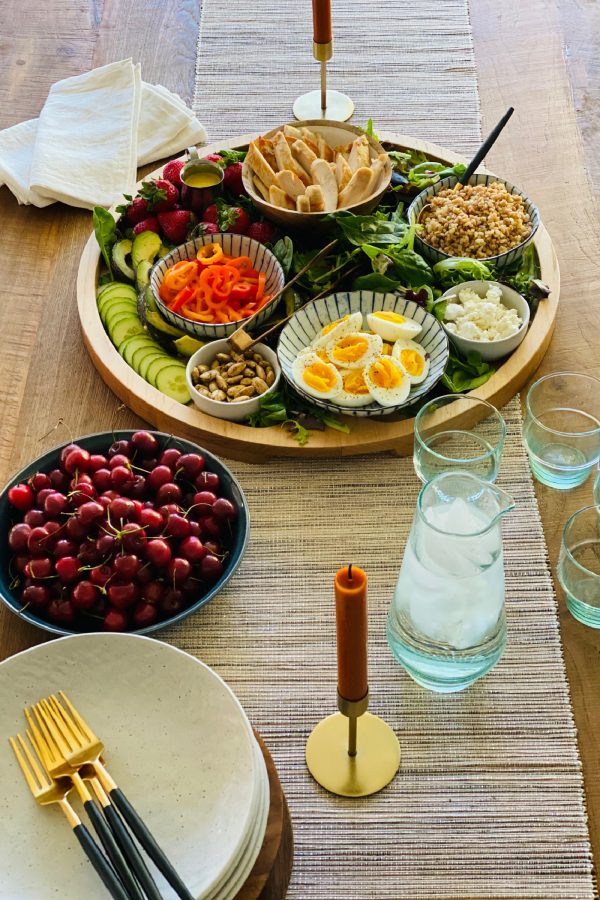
<point x="131" y="853"/>
<point x="113" y="852"/>
<point x="148" y="842"/>
<point x="100" y="863"/>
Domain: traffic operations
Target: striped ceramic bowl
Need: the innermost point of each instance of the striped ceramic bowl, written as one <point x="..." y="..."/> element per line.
<point x="308" y="322"/>
<point x="233" y="245"/>
<point x="433" y="255"/>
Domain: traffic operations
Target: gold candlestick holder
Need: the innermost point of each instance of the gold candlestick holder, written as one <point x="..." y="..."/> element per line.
<point x="353" y="753"/>
<point x="323" y="104"/>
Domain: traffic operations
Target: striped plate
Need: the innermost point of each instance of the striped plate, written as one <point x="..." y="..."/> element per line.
<point x="233" y="245"/>
<point x="308" y="322"/>
<point x="433" y="255"/>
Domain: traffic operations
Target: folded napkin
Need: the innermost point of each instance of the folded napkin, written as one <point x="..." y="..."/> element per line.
<point x="93" y="132"/>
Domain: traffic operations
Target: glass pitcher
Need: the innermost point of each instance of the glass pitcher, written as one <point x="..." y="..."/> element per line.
<point x="446" y="624"/>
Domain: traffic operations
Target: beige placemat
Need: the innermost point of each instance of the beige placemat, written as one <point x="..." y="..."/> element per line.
<point x="489" y="799"/>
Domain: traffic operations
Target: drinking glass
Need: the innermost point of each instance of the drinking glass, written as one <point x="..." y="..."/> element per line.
<point x="474" y="446"/>
<point x="579" y="565"/>
<point x="561" y="430"/>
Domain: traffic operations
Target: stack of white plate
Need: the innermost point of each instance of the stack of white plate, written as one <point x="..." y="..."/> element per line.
<point x="178" y="744"/>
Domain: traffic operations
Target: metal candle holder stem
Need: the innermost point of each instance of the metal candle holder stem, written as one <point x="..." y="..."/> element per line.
<point x="354" y="759"/>
<point x="323" y="104"/>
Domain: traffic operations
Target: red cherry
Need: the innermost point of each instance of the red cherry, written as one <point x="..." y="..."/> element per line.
<point x="106" y="544"/>
<point x="158" y="553"/>
<point x="211" y="567"/>
<point x="224" y="509"/>
<point x="169" y="457"/>
<point x="97" y="461"/>
<point x="61" y="612"/>
<point x="56" y="503"/>
<point x="145" y="442"/>
<point x="36" y="595"/>
<point x="36" y="542"/>
<point x="144" y="615"/>
<point x="133" y="537"/>
<point x="195" y="529"/>
<point x="145" y="576"/>
<point x="191" y="464"/>
<point x="115" y="620"/>
<point x="124" y="447"/>
<point x="177" y="525"/>
<point x="79" y="479"/>
<point x="18" y="536"/>
<point x="126" y="566"/>
<point x="179" y="569"/>
<point x="39" y="481"/>
<point x="151" y="520"/>
<point x="203" y="503"/>
<point x="168" y="493"/>
<point x="59" y="480"/>
<point x="77" y="461"/>
<point x="121" y="509"/>
<point x="147" y="463"/>
<point x="40" y="497"/>
<point x="138" y="487"/>
<point x="208" y="481"/>
<point x="119" y="459"/>
<point x="67" y="568"/>
<point x="64" y="547"/>
<point x="75" y="528"/>
<point x="39" y="568"/>
<point x="35" y="517"/>
<point x="101" y="575"/>
<point x="90" y="512"/>
<point x="120" y="477"/>
<point x="65" y="452"/>
<point x="153" y="592"/>
<point x="159" y="476"/>
<point x="172" y="603"/>
<point x="211" y="526"/>
<point x="192" y="549"/>
<point x="122" y="595"/>
<point x="21" y="562"/>
<point x="21" y="497"/>
<point x="88" y="554"/>
<point x="82" y="493"/>
<point x="112" y="495"/>
<point x="102" y="480"/>
<point x="84" y="595"/>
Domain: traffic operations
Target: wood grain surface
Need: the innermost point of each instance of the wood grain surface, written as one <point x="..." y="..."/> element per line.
<point x="46" y="375"/>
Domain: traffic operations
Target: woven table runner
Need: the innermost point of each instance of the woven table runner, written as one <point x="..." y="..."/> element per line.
<point x="489" y="801"/>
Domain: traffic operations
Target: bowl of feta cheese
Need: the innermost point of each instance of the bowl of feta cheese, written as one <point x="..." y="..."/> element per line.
<point x="485" y="316"/>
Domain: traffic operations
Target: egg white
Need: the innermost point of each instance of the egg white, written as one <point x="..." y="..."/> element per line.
<point x="374" y="346"/>
<point x="399" y="346"/>
<point x="345" y="325"/>
<point x="391" y="396"/>
<point x="390" y="330"/>
<point x="349" y="398"/>
<point x="304" y="361"/>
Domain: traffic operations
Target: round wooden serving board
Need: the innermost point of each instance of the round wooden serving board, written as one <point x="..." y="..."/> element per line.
<point x="271" y="873"/>
<point x="259" y="444"/>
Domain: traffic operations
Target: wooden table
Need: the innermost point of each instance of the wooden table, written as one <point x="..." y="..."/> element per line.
<point x="48" y="387"/>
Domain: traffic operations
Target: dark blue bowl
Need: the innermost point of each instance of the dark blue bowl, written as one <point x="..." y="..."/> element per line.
<point x="99" y="443"/>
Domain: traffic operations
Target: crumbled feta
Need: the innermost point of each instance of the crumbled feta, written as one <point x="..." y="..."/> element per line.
<point x="481" y="318"/>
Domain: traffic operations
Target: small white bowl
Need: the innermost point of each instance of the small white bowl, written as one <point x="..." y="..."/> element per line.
<point x="233" y="412"/>
<point x="491" y="350"/>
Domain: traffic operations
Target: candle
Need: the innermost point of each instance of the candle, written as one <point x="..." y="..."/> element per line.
<point x="322" y="21"/>
<point x="351" y="627"/>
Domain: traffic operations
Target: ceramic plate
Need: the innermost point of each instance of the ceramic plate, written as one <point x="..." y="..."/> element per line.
<point x="177" y="742"/>
<point x="308" y="322"/>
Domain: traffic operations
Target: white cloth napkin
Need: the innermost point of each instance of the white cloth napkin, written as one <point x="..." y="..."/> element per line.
<point x="93" y="132"/>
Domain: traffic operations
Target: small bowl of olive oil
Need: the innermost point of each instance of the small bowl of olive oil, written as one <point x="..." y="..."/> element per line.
<point x="201" y="182"/>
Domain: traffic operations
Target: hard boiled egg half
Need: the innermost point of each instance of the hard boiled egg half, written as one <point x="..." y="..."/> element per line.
<point x="348" y="323"/>
<point x="413" y="358"/>
<point x="387" y="381"/>
<point x="316" y="377"/>
<point x="392" y="326"/>
<point x="354" y="391"/>
<point x="354" y="350"/>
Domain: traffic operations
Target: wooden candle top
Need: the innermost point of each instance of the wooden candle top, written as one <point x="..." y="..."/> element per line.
<point x="351" y="627"/>
<point x="322" y="21"/>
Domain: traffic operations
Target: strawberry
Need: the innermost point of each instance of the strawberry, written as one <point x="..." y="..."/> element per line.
<point x="137" y="210"/>
<point x="234" y="219"/>
<point x="209" y="228"/>
<point x="161" y="195"/>
<point x="149" y="224"/>
<point x="261" y="231"/>
<point x="214" y="157"/>
<point x="232" y="179"/>
<point x="176" y="224"/>
<point x="172" y="171"/>
<point x="211" y="214"/>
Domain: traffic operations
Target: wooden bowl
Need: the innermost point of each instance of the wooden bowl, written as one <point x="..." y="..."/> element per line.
<point x="336" y="134"/>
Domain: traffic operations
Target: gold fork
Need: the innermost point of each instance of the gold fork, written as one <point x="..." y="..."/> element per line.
<point x="48" y="790"/>
<point x="57" y="766"/>
<point x="81" y="747"/>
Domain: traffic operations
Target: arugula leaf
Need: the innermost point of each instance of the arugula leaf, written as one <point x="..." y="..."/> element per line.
<point x="457" y="269"/>
<point x="293" y="413"/>
<point x="404" y="160"/>
<point x="374" y="282"/>
<point x="377" y="229"/>
<point x="105" y="229"/>
<point x="283" y="250"/>
<point x="466" y="374"/>
<point x="402" y="264"/>
<point x="427" y="173"/>
<point x="368" y="129"/>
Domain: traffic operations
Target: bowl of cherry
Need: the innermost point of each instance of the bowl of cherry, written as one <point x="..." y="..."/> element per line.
<point x="119" y="531"/>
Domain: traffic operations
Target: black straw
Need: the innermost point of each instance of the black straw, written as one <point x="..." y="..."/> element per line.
<point x="485" y="147"/>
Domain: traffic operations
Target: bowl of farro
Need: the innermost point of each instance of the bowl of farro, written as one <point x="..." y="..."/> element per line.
<point x="487" y="219"/>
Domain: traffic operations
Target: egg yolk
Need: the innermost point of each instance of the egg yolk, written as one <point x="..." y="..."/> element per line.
<point x="322" y="354"/>
<point x="384" y="374"/>
<point x="387" y="349"/>
<point x="390" y="317"/>
<point x="354" y="383"/>
<point x="412" y="361"/>
<point x="319" y="376"/>
<point x="350" y="349"/>
<point x="332" y="325"/>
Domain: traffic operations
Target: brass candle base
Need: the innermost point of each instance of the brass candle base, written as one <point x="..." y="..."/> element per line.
<point x="353" y="730"/>
<point x="323" y="104"/>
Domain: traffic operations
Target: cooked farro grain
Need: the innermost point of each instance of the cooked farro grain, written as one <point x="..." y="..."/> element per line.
<point x="475" y="220"/>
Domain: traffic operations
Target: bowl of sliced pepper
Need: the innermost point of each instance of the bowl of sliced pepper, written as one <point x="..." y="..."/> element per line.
<point x="211" y="285"/>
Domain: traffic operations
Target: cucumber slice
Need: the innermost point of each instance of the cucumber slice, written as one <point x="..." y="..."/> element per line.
<point x="142" y="353"/>
<point x="147" y="360"/>
<point x="139" y="338"/>
<point x="149" y="300"/>
<point x="125" y="328"/>
<point x="115" y="297"/>
<point x="133" y="344"/>
<point x="146" y="245"/>
<point x="110" y="310"/>
<point x="171" y="381"/>
<point x="114" y="287"/>
<point x="117" y="319"/>
<point x="160" y="363"/>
